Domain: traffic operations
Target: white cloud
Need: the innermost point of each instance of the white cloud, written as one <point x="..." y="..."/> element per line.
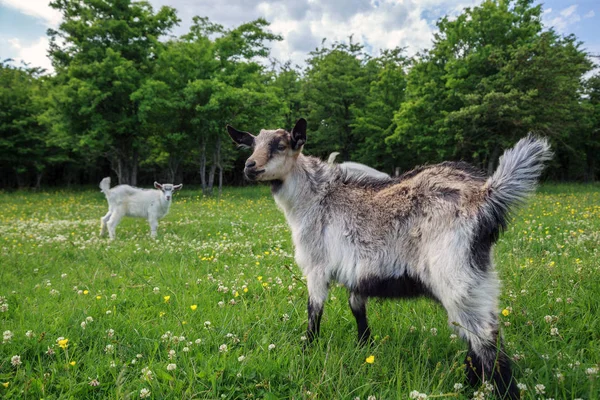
<point x="589" y="14"/>
<point x="36" y="8"/>
<point x="33" y="54"/>
<point x="567" y="17"/>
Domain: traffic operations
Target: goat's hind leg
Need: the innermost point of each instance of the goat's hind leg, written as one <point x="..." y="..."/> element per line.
<point x="477" y="322"/>
<point x="358" y="305"/>
<point x="103" y="222"/>
<point x="112" y="223"/>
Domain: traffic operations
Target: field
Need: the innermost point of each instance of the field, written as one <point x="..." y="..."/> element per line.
<point x="216" y="308"/>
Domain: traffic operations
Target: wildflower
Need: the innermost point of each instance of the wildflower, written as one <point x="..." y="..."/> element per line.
<point x="505" y="312"/>
<point x="50" y="351"/>
<point x="54" y="292"/>
<point x="162" y="314"/>
<point x="548" y="319"/>
<point x="416" y="395"/>
<point x="113" y="296"/>
<point x="370" y="359"/>
<point x="241" y="358"/>
<point x="5" y="384"/>
<point x="271" y="346"/>
<point x="185" y="349"/>
<point x="139" y="356"/>
<point x="7" y="336"/>
<point x="223" y="348"/>
<point x="89" y="319"/>
<point x="245" y="290"/>
<point x="540" y="389"/>
<point x="172" y="354"/>
<point x="167" y="298"/>
<point x="521" y="386"/>
<point x="198" y="341"/>
<point x="147" y="374"/>
<point x="285" y="317"/>
<point x="554" y="331"/>
<point x="72" y="363"/>
<point x="453" y="338"/>
<point x="221" y="303"/>
<point x="109" y="349"/>
<point x="110" y="332"/>
<point x="86" y="292"/>
<point x="113" y="364"/>
<point x="15" y="361"/>
<point x="433" y="331"/>
<point x="171" y="367"/>
<point x="303" y="338"/>
<point x="193" y="307"/>
<point x="98" y="297"/>
<point x="94" y="382"/>
<point x="63" y="343"/>
<point x="156" y="290"/>
<point x="83" y="325"/>
<point x="29" y="334"/>
<point x="207" y="324"/>
<point x="108" y="312"/>
<point x="144" y="393"/>
<point x="458" y="386"/>
<point x="591" y="371"/>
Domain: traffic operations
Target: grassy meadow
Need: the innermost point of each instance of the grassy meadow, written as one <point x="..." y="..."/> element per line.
<point x="216" y="308"/>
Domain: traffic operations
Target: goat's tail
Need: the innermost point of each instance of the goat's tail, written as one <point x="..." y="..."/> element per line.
<point x="105" y="185"/>
<point x="516" y="177"/>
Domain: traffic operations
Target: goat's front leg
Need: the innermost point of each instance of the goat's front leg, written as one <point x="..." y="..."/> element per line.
<point x="317" y="294"/>
<point x="153" y="227"/>
<point x="358" y="305"/>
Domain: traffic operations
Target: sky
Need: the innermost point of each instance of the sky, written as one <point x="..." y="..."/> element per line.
<point x="377" y="24"/>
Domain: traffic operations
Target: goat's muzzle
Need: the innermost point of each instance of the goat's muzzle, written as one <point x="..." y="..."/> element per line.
<point x="250" y="170"/>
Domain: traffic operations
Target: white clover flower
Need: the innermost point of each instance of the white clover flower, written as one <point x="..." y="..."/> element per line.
<point x="172" y="354"/>
<point x="110" y="332"/>
<point x="433" y="331"/>
<point x="156" y="290"/>
<point x="185" y="349"/>
<point x="548" y="319"/>
<point x="113" y="364"/>
<point x="303" y="338"/>
<point x="16" y="361"/>
<point x="54" y="292"/>
<point x="285" y="317"/>
<point x="540" y="389"/>
<point x="29" y="334"/>
<point x="140" y="356"/>
<point x="109" y="349"/>
<point x="89" y="319"/>
<point x="592" y="371"/>
<point x="171" y="367"/>
<point x="7" y="336"/>
<point x="221" y="304"/>
<point x="554" y="331"/>
<point x="94" y="382"/>
<point x="271" y="346"/>
<point x="371" y="397"/>
<point x="521" y="386"/>
<point x="241" y="358"/>
<point x="458" y="386"/>
<point x="144" y="393"/>
<point x="63" y="275"/>
<point x="50" y="351"/>
<point x="108" y="312"/>
<point x="223" y="348"/>
<point x="147" y="374"/>
<point x="198" y="341"/>
<point x="113" y="296"/>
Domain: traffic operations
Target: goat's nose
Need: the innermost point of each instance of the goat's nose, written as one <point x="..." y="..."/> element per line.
<point x="250" y="164"/>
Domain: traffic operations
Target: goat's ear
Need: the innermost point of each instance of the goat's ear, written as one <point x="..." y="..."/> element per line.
<point x="243" y="139"/>
<point x="299" y="134"/>
<point x="177" y="187"/>
<point x="158" y="185"/>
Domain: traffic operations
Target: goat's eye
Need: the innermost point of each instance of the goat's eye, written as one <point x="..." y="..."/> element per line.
<point x="281" y="147"/>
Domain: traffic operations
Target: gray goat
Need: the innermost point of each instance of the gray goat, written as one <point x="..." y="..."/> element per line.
<point x="428" y="232"/>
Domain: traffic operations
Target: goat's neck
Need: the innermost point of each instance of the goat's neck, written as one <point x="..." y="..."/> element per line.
<point x="307" y="182"/>
<point x="164" y="203"/>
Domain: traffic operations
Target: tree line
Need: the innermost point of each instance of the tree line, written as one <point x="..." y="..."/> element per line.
<point x="129" y="99"/>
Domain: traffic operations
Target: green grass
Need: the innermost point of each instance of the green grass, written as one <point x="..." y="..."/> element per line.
<point x="232" y="258"/>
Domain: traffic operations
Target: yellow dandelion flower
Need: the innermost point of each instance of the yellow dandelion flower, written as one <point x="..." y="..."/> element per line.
<point x="72" y="363"/>
<point x="505" y="312"/>
<point x="370" y="359"/>
<point x="265" y="284"/>
<point x="193" y="307"/>
<point x="266" y="253"/>
<point x="162" y="314"/>
<point x="98" y="297"/>
<point x="236" y="294"/>
<point x="64" y="343"/>
<point x="167" y="298"/>
<point x="259" y="278"/>
<point x="245" y="290"/>
<point x="86" y="292"/>
<point x="5" y="384"/>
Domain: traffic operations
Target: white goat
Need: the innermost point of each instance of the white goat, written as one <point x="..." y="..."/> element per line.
<point x="125" y="200"/>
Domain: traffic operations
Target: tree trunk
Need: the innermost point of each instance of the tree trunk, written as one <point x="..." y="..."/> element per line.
<point x="38" y="179"/>
<point x="215" y="164"/>
<point x="203" y="165"/>
<point x="492" y="160"/>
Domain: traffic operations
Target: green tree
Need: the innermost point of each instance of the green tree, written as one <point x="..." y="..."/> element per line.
<point x="103" y="52"/>
<point x="24" y="152"/>
<point x="485" y="83"/>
